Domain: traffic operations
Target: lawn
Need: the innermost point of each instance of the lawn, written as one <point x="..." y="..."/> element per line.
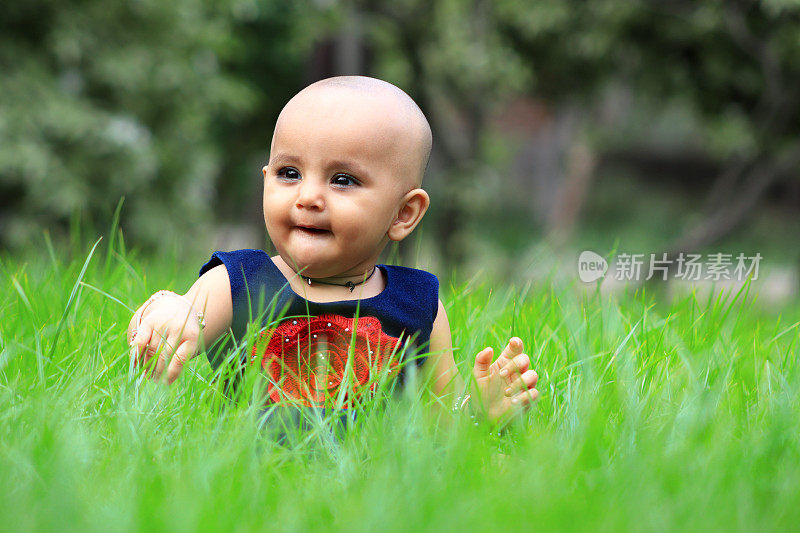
<point x="653" y="416"/>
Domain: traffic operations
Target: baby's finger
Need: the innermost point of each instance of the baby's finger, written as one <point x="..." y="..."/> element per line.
<point x="140" y="342"/>
<point x="483" y="362"/>
<point x="132" y="327"/>
<point x="184" y="352"/>
<point x="166" y="348"/>
<point x="525" y="397"/>
<point x="526" y="381"/>
<point x="152" y="352"/>
<point x="517" y="365"/>
<point x="512" y="349"/>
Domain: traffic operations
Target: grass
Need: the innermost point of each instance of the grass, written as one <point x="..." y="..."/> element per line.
<point x="654" y="416"/>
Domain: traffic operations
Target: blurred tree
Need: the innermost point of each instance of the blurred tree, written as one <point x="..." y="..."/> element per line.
<point x="732" y="62"/>
<point x="100" y="99"/>
<point x="737" y="63"/>
<point x="569" y="49"/>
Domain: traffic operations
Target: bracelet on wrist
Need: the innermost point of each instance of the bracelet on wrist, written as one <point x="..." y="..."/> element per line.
<point x="201" y="319"/>
<point x="460" y="402"/>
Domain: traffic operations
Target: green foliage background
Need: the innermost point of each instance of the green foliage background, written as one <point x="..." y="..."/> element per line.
<point x="171" y="104"/>
<point x="142" y="99"/>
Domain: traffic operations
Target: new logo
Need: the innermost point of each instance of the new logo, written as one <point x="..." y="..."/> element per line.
<point x="591" y="266"/>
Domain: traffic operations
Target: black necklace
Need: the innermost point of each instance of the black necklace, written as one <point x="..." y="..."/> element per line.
<point x="348" y="284"/>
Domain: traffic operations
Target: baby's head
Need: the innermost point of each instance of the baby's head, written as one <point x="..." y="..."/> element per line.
<point x="344" y="175"/>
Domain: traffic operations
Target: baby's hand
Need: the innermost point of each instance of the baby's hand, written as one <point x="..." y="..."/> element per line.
<point x="507" y="384"/>
<point x="166" y="326"/>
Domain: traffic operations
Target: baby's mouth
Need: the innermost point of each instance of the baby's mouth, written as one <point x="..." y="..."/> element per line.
<point x="310" y="230"/>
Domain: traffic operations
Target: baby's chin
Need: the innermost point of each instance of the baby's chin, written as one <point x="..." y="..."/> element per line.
<point x="309" y="262"/>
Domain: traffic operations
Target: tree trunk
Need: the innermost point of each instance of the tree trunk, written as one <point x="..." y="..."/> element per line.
<point x="572" y="193"/>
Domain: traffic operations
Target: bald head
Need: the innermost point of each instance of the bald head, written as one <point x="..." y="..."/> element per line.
<point x="401" y="122"/>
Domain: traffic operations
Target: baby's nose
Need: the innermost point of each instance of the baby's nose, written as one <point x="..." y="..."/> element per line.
<point x="310" y="195"/>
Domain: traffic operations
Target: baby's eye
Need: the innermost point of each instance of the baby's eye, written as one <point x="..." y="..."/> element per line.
<point x="289" y="173"/>
<point x="344" y="180"/>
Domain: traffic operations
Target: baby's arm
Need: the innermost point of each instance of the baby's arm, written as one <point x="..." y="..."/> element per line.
<point x="440" y="365"/>
<point x="499" y="387"/>
<point x="172" y="320"/>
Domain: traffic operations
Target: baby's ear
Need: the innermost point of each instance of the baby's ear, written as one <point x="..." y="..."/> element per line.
<point x="412" y="208"/>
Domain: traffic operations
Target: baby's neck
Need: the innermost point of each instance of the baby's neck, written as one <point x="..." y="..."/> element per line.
<point x="332" y="289"/>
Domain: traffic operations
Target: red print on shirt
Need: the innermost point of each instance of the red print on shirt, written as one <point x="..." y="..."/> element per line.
<point x="306" y="358"/>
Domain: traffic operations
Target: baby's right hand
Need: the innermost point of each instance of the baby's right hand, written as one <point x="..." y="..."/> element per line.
<point x="165" y="328"/>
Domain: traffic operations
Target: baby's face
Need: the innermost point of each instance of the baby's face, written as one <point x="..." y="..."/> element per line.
<point x="339" y="167"/>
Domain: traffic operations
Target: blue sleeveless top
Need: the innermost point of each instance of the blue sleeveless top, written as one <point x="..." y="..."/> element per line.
<point x="406" y="307"/>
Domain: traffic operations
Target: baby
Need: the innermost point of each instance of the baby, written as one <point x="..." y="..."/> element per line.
<point x="343" y="179"/>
